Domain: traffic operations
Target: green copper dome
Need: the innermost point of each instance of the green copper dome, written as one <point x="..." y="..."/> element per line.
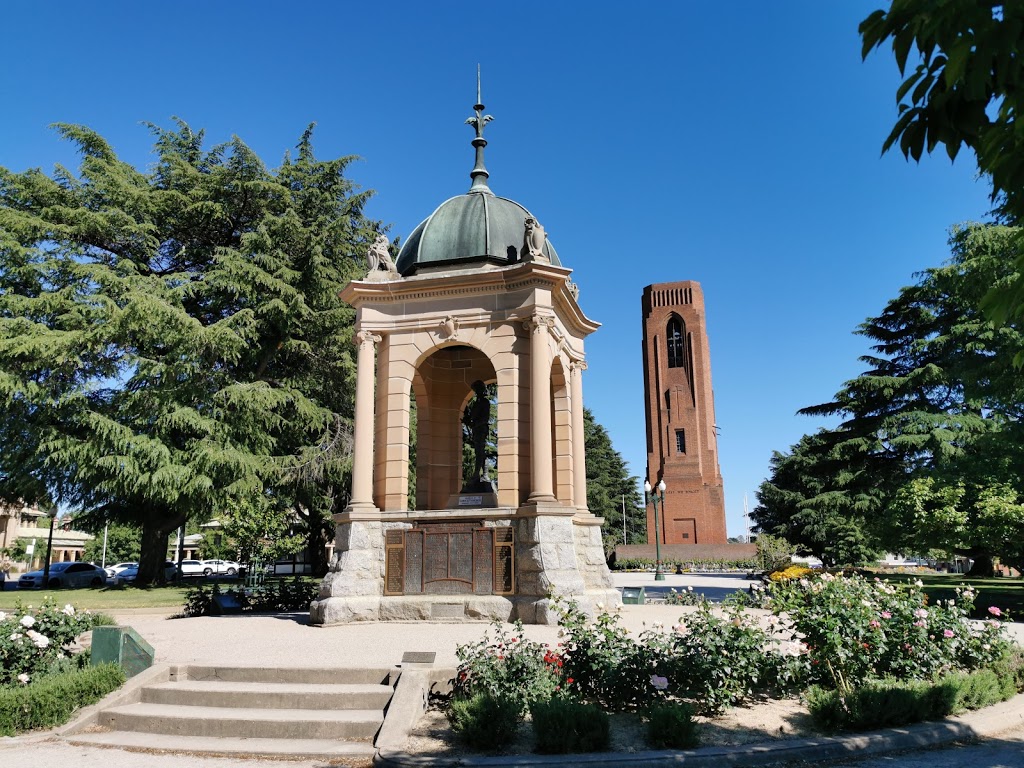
<point x="473" y="229"/>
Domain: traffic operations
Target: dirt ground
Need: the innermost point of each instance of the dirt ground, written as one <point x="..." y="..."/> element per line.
<point x="767" y="720"/>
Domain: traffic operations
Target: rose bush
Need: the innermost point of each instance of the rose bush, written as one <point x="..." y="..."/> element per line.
<point x="33" y="640"/>
<point x="858" y="629"/>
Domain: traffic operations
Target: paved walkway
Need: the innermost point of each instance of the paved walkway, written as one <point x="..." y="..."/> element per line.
<point x="289" y="640"/>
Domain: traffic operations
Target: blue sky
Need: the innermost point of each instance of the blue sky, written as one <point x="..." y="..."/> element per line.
<point x="736" y="144"/>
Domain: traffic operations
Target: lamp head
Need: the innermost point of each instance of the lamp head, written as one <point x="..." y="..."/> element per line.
<point x="661" y="486"/>
<point x="647" y="486"/>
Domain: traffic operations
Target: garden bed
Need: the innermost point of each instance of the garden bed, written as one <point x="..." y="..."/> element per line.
<point x="763" y="721"/>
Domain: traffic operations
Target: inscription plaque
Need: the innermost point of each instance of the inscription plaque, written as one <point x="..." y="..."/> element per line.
<point x="414" y="562"/>
<point x="470" y="501"/>
<point x="483" y="565"/>
<point x="504" y="561"/>
<point x="394" y="581"/>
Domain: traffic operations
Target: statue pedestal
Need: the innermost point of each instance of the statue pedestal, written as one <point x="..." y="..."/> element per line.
<point x="379" y="575"/>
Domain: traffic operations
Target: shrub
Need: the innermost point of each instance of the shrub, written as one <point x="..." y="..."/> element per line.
<point x="790" y="572"/>
<point x="509" y="667"/>
<point x="684" y="597"/>
<point x="285" y="595"/>
<point x="773" y="552"/>
<point x="857" y="630"/>
<point x="563" y="725"/>
<point x="51" y="700"/>
<point x="32" y="639"/>
<point x="670" y="725"/>
<point x="483" y="721"/>
<point x="602" y="663"/>
<point x="720" y="661"/>
<point x="887" y="703"/>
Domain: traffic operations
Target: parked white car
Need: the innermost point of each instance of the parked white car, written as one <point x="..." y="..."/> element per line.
<point x="220" y="567"/>
<point x="209" y="568"/>
<point x="114" y="570"/>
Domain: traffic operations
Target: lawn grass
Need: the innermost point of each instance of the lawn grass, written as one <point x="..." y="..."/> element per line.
<point x="100" y="598"/>
<point x="1004" y="593"/>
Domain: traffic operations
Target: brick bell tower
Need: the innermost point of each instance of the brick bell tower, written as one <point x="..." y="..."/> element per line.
<point x="682" y="447"/>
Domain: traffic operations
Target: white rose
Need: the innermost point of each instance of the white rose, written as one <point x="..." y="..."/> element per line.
<point x="27" y="621"/>
<point x="3" y="616"/>
<point x="23" y="678"/>
<point x="68" y="610"/>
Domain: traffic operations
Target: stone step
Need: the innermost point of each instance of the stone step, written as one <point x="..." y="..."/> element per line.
<point x="303" y="675"/>
<point x="313" y="749"/>
<point x="238" y="722"/>
<point x="262" y="695"/>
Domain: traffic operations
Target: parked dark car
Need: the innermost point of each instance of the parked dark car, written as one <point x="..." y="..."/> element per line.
<point x="65" y="575"/>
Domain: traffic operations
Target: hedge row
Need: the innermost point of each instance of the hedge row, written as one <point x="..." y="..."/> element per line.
<point x="51" y="700"/>
<point x="667" y="564"/>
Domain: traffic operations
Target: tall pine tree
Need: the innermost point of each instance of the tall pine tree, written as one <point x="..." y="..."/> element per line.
<point x="172" y="344"/>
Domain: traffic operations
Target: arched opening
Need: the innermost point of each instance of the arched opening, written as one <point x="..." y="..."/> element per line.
<point x="675" y="339"/>
<point x="561" y="433"/>
<point x="442" y="388"/>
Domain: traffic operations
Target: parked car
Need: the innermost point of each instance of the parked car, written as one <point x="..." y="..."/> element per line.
<point x="220" y="567"/>
<point x="113" y="570"/>
<point x="191" y="568"/>
<point x="65" y="575"/>
<point x="128" y="575"/>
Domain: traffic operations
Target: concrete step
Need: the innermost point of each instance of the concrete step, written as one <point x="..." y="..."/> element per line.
<point x="303" y="675"/>
<point x="238" y="722"/>
<point x="261" y="695"/>
<point x="312" y="749"/>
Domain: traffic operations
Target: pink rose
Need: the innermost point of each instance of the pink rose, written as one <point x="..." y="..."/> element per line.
<point x="995" y="611"/>
<point x="947" y="633"/>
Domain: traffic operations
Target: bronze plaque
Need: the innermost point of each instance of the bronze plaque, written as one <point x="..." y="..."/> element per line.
<point x="435" y="557"/>
<point x="414" y="562"/>
<point x="460" y="556"/>
<point x="504" y="561"/>
<point x="394" y="537"/>
<point x="393" y="575"/>
<point x="483" y="566"/>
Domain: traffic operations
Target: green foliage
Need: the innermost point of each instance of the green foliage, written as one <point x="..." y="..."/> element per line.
<point x="773" y="552"/>
<point x="32" y="639"/>
<point x="716" y="565"/>
<point x="561" y="726"/>
<point x="719" y="660"/>
<point x="272" y="596"/>
<point x="888" y="703"/>
<point x="963" y="91"/>
<point x="51" y="700"/>
<point x="172" y="342"/>
<point x="124" y="544"/>
<point x="684" y="597"/>
<point x="603" y="662"/>
<point x="611" y="490"/>
<point x="855" y="630"/>
<point x="930" y="449"/>
<point x="510" y="668"/>
<point x="670" y="725"/>
<point x="483" y="721"/>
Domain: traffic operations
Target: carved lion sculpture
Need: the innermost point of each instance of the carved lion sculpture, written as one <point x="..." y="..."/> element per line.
<point x="379" y="256"/>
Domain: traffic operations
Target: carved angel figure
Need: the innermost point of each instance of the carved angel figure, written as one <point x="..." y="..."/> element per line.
<point x="379" y="256"/>
<point x="533" y="241"/>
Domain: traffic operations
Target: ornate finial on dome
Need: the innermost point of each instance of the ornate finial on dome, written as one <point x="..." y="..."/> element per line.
<point x="479" y="173"/>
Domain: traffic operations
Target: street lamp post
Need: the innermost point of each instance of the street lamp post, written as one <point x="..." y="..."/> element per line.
<point x="657" y="498"/>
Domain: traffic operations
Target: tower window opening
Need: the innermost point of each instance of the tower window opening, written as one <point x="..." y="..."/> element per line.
<point x="676" y="351"/>
<point x="680" y="441"/>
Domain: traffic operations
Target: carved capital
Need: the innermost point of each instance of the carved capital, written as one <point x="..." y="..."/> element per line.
<point x="578" y="365"/>
<point x="539" y="323"/>
<point x="367" y="337"/>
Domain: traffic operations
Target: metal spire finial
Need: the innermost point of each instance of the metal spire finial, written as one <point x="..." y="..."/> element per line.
<point x="479" y="173"/>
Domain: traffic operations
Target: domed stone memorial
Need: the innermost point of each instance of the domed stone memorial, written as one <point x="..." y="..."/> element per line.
<point x="470" y="348"/>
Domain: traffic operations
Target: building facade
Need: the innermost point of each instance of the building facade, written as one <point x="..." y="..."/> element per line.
<point x="682" y="442"/>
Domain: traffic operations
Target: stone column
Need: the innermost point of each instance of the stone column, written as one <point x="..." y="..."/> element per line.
<point x="579" y="461"/>
<point x="541" y="490"/>
<point x="362" y="453"/>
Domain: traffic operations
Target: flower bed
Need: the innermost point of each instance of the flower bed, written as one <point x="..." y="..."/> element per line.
<point x="840" y="640"/>
<point x="42" y="677"/>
